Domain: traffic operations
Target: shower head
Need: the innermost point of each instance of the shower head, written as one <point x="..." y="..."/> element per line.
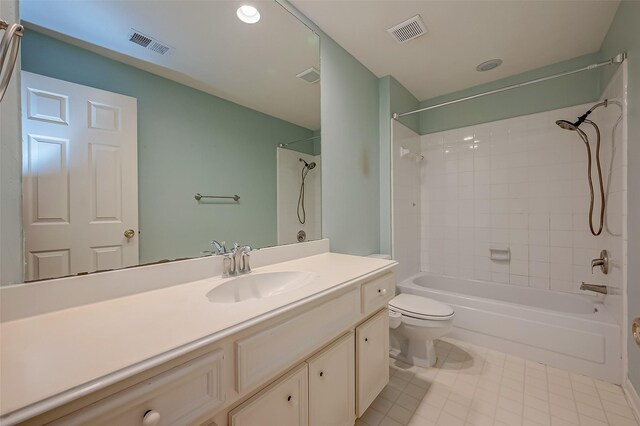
<point x="308" y="165"/>
<point x="566" y="125"/>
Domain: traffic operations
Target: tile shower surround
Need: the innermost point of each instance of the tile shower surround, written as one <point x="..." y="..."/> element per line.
<point x="520" y="183"/>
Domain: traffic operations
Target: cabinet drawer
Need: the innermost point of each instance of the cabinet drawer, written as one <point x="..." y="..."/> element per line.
<point x="284" y="403"/>
<point x="178" y="396"/>
<point x="265" y="353"/>
<point x="377" y="293"/>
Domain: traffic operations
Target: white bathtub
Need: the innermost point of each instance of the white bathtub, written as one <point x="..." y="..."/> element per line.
<point x="562" y="330"/>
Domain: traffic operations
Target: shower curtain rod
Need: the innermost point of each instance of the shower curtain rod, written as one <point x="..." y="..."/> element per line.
<point x="619" y="58"/>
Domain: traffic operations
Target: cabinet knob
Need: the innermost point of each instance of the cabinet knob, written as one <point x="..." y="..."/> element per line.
<point x="292" y="400"/>
<point x="321" y="373"/>
<point x="366" y="339"/>
<point x="151" y="418"/>
<point x="382" y="291"/>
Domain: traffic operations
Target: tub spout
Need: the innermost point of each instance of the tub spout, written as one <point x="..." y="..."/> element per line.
<point x="594" y="287"/>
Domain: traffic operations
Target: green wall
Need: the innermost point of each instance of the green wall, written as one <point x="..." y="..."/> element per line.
<point x="188" y="142"/>
<point x="393" y="97"/>
<point x="350" y="148"/>
<point x="553" y="94"/>
<point x="350" y="153"/>
<point x="624" y="35"/>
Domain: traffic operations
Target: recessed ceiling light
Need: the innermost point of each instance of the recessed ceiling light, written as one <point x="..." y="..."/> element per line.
<point x="248" y="14"/>
<point x="489" y="65"/>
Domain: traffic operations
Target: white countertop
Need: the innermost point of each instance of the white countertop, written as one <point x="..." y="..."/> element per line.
<point x="78" y="350"/>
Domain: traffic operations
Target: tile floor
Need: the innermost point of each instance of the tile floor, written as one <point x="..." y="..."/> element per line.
<point x="472" y="385"/>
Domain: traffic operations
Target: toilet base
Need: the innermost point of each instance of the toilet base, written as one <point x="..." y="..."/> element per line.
<point x="400" y="357"/>
<point x="421" y="353"/>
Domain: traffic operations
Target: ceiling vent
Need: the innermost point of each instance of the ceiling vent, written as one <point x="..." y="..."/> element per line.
<point x="148" y="42"/>
<point x="408" y="30"/>
<point x="311" y="75"/>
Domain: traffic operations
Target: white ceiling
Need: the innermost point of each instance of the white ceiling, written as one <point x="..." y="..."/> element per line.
<point x="253" y="65"/>
<point x="462" y="34"/>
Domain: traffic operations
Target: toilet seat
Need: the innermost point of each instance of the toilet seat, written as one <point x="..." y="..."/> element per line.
<point x="421" y="308"/>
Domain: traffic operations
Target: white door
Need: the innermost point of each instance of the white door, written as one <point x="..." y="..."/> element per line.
<point x="372" y="359"/>
<point x="332" y="392"/>
<point x="80" y="178"/>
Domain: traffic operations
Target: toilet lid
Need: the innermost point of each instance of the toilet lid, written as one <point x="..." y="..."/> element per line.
<point x="420" y="307"/>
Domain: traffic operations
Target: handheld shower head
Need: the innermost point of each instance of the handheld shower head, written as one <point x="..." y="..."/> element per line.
<point x="566" y="125"/>
<point x="308" y="165"/>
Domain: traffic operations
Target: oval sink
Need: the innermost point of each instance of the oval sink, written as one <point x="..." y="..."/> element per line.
<point x="259" y="286"/>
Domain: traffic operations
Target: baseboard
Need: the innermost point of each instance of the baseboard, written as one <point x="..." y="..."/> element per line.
<point x="632" y="397"/>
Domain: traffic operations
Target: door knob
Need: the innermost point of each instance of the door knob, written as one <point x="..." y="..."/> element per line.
<point x="635" y="330"/>
<point x="129" y="233"/>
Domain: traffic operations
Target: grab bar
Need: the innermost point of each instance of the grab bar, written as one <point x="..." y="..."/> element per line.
<point x="199" y="196"/>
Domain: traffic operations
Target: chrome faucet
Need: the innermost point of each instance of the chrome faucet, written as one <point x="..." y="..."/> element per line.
<point x="602" y="262"/>
<point x="238" y="263"/>
<point x="220" y="247"/>
<point x="594" y="287"/>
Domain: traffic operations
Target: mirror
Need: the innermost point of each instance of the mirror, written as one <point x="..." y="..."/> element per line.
<point x="152" y="128"/>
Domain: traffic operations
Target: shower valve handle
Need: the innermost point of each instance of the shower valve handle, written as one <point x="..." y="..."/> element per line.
<point x="602" y="262"/>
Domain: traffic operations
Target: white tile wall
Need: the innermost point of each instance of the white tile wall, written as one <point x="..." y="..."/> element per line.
<point x="406" y="202"/>
<point x="521" y="183"/>
<point x="288" y="190"/>
<point x="614" y="156"/>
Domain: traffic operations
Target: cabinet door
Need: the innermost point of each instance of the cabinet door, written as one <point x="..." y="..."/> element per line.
<point x="284" y="403"/>
<point x="332" y="394"/>
<point x="372" y="359"/>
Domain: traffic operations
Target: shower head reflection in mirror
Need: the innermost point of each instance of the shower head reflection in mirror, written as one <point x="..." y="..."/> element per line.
<point x="302" y="214"/>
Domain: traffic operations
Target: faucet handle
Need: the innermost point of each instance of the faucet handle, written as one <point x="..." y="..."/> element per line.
<point x="226" y="266"/>
<point x="246" y="264"/>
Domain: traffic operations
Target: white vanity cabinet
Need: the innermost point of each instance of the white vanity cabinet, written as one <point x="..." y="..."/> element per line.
<point x="284" y="403"/>
<point x="319" y="365"/>
<point x="332" y="377"/>
<point x="372" y="359"/>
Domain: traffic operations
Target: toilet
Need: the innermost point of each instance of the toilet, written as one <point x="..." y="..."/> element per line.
<point x="415" y="322"/>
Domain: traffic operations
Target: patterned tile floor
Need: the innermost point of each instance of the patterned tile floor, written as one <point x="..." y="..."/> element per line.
<point x="474" y="386"/>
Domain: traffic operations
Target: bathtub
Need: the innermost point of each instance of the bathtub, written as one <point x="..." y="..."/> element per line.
<point x="570" y="331"/>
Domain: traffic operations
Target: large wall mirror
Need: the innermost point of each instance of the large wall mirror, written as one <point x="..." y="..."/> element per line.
<point x="150" y="129"/>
